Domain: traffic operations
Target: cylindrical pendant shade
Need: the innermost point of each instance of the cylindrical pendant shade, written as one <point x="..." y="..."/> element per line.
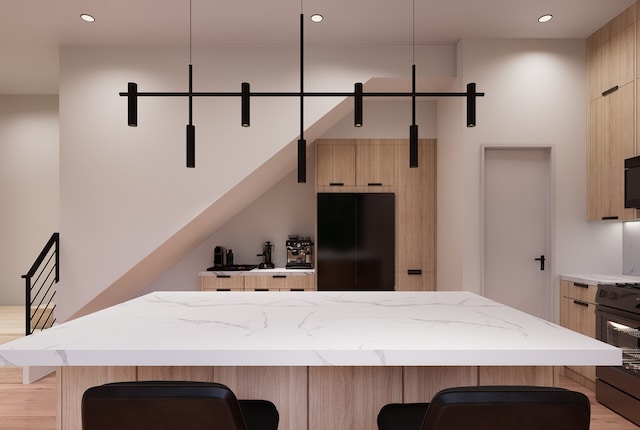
<point x="471" y="104"/>
<point x="132" y="103"/>
<point x="302" y="161"/>
<point x="246" y="90"/>
<point x="191" y="145"/>
<point x="413" y="146"/>
<point x="357" y="105"/>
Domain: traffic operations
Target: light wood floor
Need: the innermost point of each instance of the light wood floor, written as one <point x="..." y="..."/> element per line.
<point x="33" y="407"/>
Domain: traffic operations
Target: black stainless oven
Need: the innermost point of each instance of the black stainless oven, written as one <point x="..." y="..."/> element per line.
<point x="618" y="324"/>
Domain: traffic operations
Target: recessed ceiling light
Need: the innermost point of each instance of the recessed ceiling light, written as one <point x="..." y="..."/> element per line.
<point x="316" y="17"/>
<point x="87" y="17"/>
<point x="545" y="18"/>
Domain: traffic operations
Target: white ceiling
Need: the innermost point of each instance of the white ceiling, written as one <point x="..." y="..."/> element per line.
<point x="31" y="31"/>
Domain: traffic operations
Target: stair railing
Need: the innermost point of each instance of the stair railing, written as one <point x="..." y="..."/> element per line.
<point x="40" y="291"/>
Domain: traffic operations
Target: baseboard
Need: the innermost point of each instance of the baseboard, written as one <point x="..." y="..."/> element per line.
<point x="31" y="374"/>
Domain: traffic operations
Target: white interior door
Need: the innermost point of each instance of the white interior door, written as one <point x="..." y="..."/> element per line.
<point x="517" y="196"/>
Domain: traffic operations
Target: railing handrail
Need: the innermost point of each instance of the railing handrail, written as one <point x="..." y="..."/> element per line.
<point x="54" y="240"/>
<point x="29" y="299"/>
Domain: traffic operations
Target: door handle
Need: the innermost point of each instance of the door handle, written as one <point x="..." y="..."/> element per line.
<point x="541" y="259"/>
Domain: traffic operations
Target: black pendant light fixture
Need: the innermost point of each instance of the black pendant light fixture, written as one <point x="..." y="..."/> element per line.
<point x="245" y="95"/>
<point x="413" y="128"/>
<point x="191" y="129"/>
<point x="357" y="104"/>
<point x="302" y="144"/>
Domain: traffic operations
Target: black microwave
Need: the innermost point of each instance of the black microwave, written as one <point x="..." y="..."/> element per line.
<point x="632" y="182"/>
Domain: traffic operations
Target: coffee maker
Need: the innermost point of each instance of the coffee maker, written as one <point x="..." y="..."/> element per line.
<point x="299" y="252"/>
<point x="267" y="250"/>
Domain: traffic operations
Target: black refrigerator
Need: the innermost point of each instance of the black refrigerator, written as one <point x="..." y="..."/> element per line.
<point x="356" y="242"/>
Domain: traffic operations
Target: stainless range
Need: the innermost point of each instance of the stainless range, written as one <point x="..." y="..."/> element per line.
<point x="618" y="324"/>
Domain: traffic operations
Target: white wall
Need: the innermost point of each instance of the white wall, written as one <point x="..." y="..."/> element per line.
<point x="28" y="186"/>
<point x="125" y="192"/>
<point x="535" y="95"/>
<point x="288" y="207"/>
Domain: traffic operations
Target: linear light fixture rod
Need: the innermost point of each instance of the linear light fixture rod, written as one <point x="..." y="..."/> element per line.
<point x="297" y="94"/>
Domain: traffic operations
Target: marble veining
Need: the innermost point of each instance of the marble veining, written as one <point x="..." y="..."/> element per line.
<point x="308" y="329"/>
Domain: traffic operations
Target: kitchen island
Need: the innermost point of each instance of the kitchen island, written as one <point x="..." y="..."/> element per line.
<point x="326" y="359"/>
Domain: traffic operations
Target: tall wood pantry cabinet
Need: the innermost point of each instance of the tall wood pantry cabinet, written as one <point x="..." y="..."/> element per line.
<point x="382" y="165"/>
<point x="611" y="77"/>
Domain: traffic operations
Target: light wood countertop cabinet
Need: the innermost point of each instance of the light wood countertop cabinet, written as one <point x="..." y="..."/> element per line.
<point x="577" y="313"/>
<point x="222" y="283"/>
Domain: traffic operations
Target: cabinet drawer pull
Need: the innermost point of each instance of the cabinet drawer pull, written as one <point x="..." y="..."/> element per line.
<point x="223" y="289"/>
<point x="375" y="184"/>
<point x="336" y="184"/>
<point x="579" y="303"/>
<point x="414" y="272"/>
<point x="223" y="276"/>
<point x="297" y="289"/>
<point x="279" y="276"/>
<point x="261" y="289"/>
<point x="609" y="91"/>
<point x="605" y="218"/>
<point x="580" y="284"/>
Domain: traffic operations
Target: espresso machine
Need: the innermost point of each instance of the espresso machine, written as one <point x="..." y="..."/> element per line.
<point x="299" y="252"/>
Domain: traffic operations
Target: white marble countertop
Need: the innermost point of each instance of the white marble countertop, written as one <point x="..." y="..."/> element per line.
<point x="308" y="329"/>
<point x="595" y="279"/>
<point x="278" y="271"/>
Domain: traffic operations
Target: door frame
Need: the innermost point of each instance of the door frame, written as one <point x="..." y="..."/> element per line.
<point x="553" y="298"/>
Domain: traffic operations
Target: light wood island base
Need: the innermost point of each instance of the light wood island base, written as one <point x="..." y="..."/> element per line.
<point x="311" y="398"/>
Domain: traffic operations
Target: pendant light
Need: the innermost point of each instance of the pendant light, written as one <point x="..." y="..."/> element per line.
<point x="132" y="104"/>
<point x="245" y="94"/>
<point x="191" y="129"/>
<point x="413" y="129"/>
<point x="302" y="144"/>
<point x="357" y="104"/>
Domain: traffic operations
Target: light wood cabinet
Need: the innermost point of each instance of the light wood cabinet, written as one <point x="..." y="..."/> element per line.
<point x="610" y="141"/>
<point x="258" y="282"/>
<point x="375" y="164"/>
<point x="611" y="77"/>
<point x="577" y="313"/>
<point x="416" y="219"/>
<point x="335" y="164"/>
<point x="382" y="165"/>
<point x="355" y="165"/>
<point x="611" y="54"/>
<point x="279" y="282"/>
<point x="222" y="283"/>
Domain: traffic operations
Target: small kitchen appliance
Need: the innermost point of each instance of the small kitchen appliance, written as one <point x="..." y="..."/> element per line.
<point x="219" y="256"/>
<point x="267" y="250"/>
<point x="299" y="252"/>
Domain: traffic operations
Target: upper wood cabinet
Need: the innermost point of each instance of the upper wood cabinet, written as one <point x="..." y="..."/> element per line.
<point x="610" y="140"/>
<point x="375" y="164"/>
<point x="335" y="163"/>
<point x="611" y="54"/>
<point x="355" y="165"/>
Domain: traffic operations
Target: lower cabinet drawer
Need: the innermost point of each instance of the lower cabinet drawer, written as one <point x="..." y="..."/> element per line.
<point x="222" y="283"/>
